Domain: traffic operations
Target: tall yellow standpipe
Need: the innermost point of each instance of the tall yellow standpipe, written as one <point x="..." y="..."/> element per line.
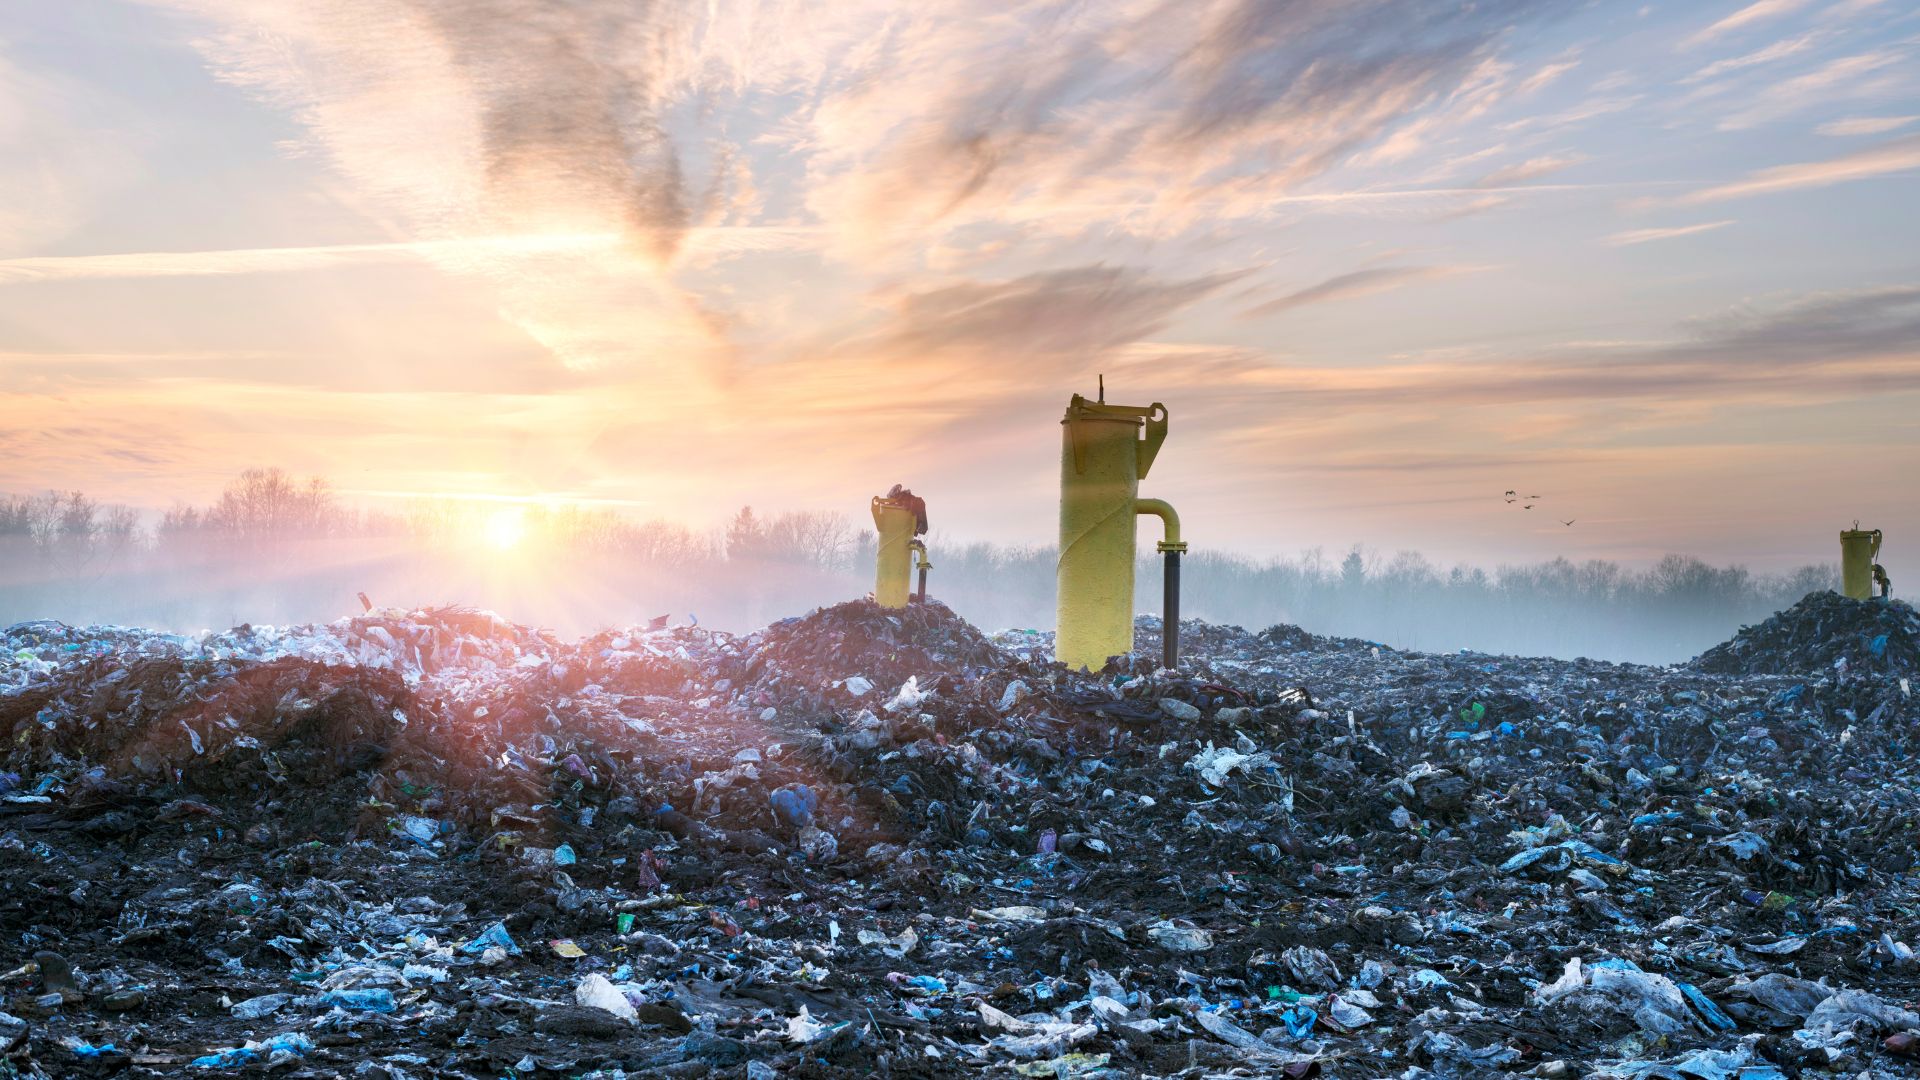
<point x="898" y="516"/>
<point x="1858" y="550"/>
<point x="1105" y="451"/>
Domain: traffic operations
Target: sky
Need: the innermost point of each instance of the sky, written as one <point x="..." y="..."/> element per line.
<point x="1383" y="260"/>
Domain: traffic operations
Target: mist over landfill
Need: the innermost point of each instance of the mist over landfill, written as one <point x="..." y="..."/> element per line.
<point x="753" y="539"/>
<point x="264" y="552"/>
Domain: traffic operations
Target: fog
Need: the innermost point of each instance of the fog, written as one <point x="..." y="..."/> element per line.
<point x="273" y="550"/>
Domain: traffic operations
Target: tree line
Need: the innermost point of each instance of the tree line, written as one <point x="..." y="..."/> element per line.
<point x="274" y="548"/>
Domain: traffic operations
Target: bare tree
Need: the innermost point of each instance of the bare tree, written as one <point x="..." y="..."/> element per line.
<point x="266" y="507"/>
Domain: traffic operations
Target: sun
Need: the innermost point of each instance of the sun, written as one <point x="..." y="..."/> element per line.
<point x="505" y="529"/>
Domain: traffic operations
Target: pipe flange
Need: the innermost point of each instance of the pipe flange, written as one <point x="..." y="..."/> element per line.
<point x="1163" y="547"/>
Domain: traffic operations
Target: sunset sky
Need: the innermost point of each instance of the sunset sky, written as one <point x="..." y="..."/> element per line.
<point x="1382" y="259"/>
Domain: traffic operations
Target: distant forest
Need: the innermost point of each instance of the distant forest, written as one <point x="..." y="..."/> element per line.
<point x="273" y="549"/>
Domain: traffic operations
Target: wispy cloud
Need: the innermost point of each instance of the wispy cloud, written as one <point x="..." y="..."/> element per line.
<point x="1758" y="12"/>
<point x="1838" y="79"/>
<point x="1531" y="169"/>
<point x="1356" y="284"/>
<point x="1864" y="125"/>
<point x="474" y="252"/>
<point x="55" y="165"/>
<point x="1884" y="159"/>
<point x="1779" y="50"/>
<point x="1643" y="236"/>
<point x="1082" y="311"/>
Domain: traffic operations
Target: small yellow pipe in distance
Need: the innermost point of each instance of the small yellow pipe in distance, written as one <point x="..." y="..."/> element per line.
<point x="893" y="561"/>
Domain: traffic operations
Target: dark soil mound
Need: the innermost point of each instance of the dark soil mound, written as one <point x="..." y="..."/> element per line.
<point x="862" y="638"/>
<point x="1876" y="636"/>
<point x="210" y="725"/>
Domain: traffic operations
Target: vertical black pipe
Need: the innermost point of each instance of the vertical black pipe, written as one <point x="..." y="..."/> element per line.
<point x="1170" y="613"/>
<point x="923" y="584"/>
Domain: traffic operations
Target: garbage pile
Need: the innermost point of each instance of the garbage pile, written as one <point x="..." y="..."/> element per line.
<point x="437" y="844"/>
<point x="1824" y="631"/>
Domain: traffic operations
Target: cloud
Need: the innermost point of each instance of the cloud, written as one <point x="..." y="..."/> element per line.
<point x="461" y="119"/>
<point x="56" y="162"/>
<point x="1081" y="311"/>
<point x="1757" y="12"/>
<point x="1227" y="103"/>
<point x="1779" y="50"/>
<point x="1864" y="125"/>
<point x="1592" y="108"/>
<point x="1894" y="156"/>
<point x="1825" y="346"/>
<point x="1531" y="169"/>
<point x="1643" y="236"/>
<point x="1842" y="77"/>
<point x="1831" y="326"/>
<point x="714" y="242"/>
<point x="457" y="120"/>
<point x="1356" y="284"/>
<point x="1546" y="75"/>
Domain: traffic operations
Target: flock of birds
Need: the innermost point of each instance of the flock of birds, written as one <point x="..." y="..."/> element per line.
<point x="1530" y="501"/>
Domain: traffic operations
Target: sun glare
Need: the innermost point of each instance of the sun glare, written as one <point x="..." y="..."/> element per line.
<point x="506" y="528"/>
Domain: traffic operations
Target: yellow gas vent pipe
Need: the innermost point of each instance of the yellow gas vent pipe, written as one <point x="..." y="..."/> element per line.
<point x="1859" y="572"/>
<point x="1172" y="547"/>
<point x="920" y="548"/>
<point x="1106" y="450"/>
<point x="898" y="518"/>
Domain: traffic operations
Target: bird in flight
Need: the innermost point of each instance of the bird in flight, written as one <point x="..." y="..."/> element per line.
<point x="1510" y="495"/>
<point x="1568" y="523"/>
<point x="1529" y="506"/>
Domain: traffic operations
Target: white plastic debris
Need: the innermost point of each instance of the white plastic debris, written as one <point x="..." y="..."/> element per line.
<point x="1179" y="710"/>
<point x="804" y="1028"/>
<point x="1015" y="692"/>
<point x="909" y="696"/>
<point x="1180" y="938"/>
<point x="1214" y="765"/>
<point x="596" y="992"/>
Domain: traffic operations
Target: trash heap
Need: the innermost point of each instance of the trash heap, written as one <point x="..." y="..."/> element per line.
<point x="437" y="844"/>
<point x="1824" y="630"/>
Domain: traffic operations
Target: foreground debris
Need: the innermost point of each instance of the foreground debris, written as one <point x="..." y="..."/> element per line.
<point x="435" y="843"/>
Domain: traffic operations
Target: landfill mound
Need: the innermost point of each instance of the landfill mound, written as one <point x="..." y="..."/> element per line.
<point x="1198" y="640"/>
<point x="435" y="843"/>
<point x="861" y="638"/>
<point x="1823" y="630"/>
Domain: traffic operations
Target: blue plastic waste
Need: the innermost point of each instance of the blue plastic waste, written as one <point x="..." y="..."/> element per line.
<point x="1299" y="1020"/>
<point x="490" y="937"/>
<point x="1708" y="1011"/>
<point x="372" y="999"/>
<point x="236" y="1056"/>
<point x="794" y="805"/>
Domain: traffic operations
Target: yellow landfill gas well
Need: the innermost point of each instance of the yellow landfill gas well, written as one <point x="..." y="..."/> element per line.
<point x="1103" y="458"/>
<point x="1858" y="549"/>
<point x="895" y="523"/>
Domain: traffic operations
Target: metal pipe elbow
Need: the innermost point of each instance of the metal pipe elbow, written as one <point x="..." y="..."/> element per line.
<point x="919" y="546"/>
<point x="1169" y="521"/>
